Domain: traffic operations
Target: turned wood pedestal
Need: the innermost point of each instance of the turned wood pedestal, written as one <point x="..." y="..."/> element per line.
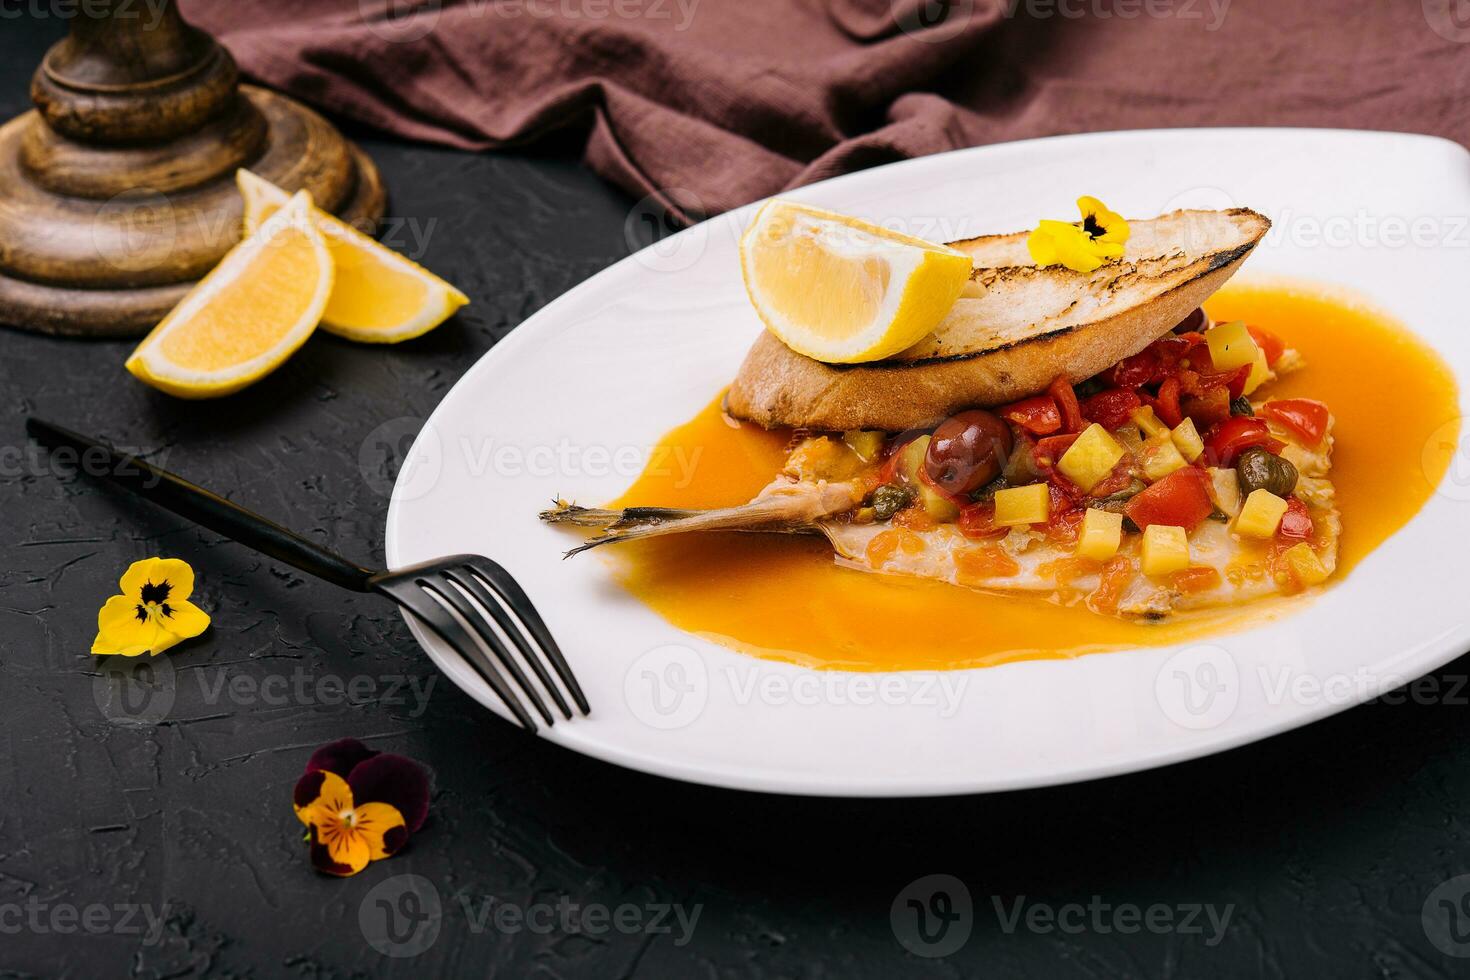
<point x="117" y="191"/>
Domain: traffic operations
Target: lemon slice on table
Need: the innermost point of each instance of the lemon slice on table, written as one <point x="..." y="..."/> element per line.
<point x="247" y="316"/>
<point x="842" y="290"/>
<point x="380" y="296"/>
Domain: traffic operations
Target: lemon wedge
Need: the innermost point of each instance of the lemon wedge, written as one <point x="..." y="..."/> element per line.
<point x="842" y="290"/>
<point x="247" y="316"/>
<point x="380" y="297"/>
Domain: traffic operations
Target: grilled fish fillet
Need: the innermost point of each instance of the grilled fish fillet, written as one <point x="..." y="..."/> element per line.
<point x="1011" y="333"/>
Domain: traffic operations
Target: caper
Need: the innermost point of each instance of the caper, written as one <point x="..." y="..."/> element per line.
<point x="1241" y="406"/>
<point x="1261" y="469"/>
<point x="889" y="499"/>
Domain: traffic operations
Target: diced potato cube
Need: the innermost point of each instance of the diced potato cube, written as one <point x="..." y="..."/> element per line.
<point x="1186" y="437"/>
<point x="936" y="504"/>
<point x="1165" y="549"/>
<point x="1102" y="532"/>
<point x="1261" y="515"/>
<point x="1231" y="345"/>
<point x="1022" y="505"/>
<point x="1161" y="457"/>
<point x="1260" y="373"/>
<point x="911" y="459"/>
<point x="1307" y="566"/>
<point x="1146" y="420"/>
<point x="867" y="443"/>
<point x="1091" y="457"/>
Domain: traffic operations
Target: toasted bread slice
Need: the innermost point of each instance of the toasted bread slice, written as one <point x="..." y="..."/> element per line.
<point x="1016" y="328"/>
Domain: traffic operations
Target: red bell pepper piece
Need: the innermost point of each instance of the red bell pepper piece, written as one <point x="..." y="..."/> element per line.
<point x="1066" y="400"/>
<point x="1039" y="416"/>
<point x="1227" y="440"/>
<point x="1305" y="417"/>
<point x="1179" y="499"/>
<point x="1166" y="403"/>
<point x="1110" y="408"/>
<point x="1050" y="449"/>
<point x="1296" y="523"/>
<point x="1270" y="344"/>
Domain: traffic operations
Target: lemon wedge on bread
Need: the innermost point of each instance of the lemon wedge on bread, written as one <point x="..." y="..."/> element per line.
<point x="245" y="317"/>
<point x="380" y="297"/>
<point x="841" y="290"/>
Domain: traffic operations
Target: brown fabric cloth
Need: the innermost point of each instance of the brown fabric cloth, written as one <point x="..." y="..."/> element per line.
<point x="715" y="103"/>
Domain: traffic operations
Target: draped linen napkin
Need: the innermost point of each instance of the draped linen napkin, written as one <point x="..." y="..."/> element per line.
<point x="709" y="104"/>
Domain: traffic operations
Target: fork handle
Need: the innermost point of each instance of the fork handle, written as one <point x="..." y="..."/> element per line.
<point x="205" y="508"/>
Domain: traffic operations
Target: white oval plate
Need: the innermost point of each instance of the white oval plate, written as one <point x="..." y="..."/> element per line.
<point x="569" y="403"/>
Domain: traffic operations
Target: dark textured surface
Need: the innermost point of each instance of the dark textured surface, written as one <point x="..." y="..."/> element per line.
<point x="1324" y="843"/>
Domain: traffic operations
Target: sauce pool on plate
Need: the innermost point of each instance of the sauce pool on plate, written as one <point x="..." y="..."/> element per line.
<point x="784" y="596"/>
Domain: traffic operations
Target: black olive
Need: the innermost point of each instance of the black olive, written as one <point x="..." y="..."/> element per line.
<point x="1241" y="406"/>
<point x="889" y="500"/>
<point x="1261" y="469"/>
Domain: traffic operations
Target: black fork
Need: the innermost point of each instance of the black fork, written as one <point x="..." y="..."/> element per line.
<point x="457" y="598"/>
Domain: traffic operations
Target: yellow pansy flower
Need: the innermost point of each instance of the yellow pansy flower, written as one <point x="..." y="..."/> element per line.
<point x="345" y="837"/>
<point x="1098" y="238"/>
<point x="153" y="612"/>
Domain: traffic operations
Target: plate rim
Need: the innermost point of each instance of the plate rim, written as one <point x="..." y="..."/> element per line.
<point x="1444" y="649"/>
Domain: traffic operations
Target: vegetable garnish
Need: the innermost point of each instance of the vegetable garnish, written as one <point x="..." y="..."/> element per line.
<point x="153" y="613"/>
<point x="1094" y="241"/>
<point x="359" y="805"/>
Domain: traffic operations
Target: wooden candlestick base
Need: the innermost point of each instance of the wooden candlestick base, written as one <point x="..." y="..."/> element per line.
<point x="118" y="191"/>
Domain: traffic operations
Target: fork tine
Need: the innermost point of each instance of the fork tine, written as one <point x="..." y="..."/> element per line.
<point x="470" y="615"/>
<point x="437" y="618"/>
<point x="505" y="585"/>
<point x="465" y="578"/>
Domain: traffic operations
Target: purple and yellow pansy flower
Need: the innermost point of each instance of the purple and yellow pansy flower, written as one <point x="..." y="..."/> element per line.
<point x="1082" y="246"/>
<point x="359" y="805"/>
<point x="153" y="612"/>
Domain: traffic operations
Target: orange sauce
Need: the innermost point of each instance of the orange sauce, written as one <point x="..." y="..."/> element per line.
<point x="783" y="597"/>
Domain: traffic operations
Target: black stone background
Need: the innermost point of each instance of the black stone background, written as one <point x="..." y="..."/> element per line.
<point x="1326" y="841"/>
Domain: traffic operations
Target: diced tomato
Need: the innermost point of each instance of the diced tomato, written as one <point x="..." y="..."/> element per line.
<point x="1166" y="403"/>
<point x="1064" y="496"/>
<point x="1296" y="523"/>
<point x="1039" y="416"/>
<point x="1179" y="499"/>
<point x="1116" y="575"/>
<point x="1066" y="399"/>
<point x="1196" y="578"/>
<point x="1303" y="416"/>
<point x="1270" y="344"/>
<point x="1064" y="526"/>
<point x="1227" y="440"/>
<point x="977" y="521"/>
<point x="1110" y="408"/>
<point x="1050" y="449"/>
<point x="1135" y="371"/>
<point x="1119" y="479"/>
<point x="1208" y="409"/>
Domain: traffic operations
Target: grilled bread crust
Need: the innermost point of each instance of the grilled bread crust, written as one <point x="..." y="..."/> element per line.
<point x="1016" y="328"/>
